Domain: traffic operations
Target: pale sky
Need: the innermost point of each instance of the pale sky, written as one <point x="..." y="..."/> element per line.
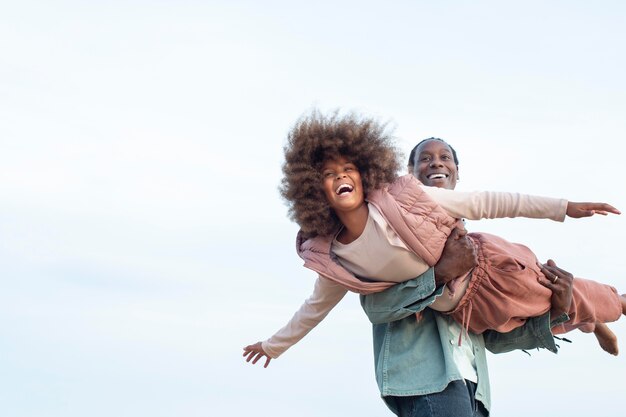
<point x="144" y="242"/>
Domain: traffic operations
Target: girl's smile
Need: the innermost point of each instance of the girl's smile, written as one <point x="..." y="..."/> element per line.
<point x="344" y="190"/>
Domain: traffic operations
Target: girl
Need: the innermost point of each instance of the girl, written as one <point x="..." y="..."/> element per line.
<point x="363" y="229"/>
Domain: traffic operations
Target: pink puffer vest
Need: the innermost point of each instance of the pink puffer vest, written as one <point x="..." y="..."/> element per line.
<point x="421" y="224"/>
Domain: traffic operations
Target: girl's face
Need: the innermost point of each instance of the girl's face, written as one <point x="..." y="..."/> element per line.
<point x="342" y="185"/>
<point x="434" y="165"/>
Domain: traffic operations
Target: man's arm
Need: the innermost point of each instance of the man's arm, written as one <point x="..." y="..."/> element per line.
<point x="409" y="297"/>
<point x="536" y="331"/>
<point x="458" y="256"/>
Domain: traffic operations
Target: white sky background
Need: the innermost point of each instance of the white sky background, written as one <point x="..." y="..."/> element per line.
<point x="143" y="240"/>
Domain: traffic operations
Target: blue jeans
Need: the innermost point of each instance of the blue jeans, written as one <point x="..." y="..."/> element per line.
<point x="457" y="400"/>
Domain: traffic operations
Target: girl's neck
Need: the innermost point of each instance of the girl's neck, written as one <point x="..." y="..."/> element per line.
<point x="353" y="224"/>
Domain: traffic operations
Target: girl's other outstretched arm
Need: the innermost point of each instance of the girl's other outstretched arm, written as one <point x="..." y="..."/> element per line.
<point x="478" y="205"/>
<point x="326" y="295"/>
<point x="578" y="210"/>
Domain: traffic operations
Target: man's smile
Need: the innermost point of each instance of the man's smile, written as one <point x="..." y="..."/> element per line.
<point x="437" y="176"/>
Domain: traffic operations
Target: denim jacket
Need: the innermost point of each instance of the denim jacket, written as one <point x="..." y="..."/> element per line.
<point x="414" y="357"/>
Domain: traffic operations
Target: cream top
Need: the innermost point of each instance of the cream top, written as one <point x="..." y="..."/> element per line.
<point x="379" y="253"/>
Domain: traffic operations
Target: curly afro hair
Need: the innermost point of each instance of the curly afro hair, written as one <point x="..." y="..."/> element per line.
<point x="316" y="139"/>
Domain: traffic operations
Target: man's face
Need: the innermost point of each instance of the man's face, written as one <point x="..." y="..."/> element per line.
<point x="434" y="165"/>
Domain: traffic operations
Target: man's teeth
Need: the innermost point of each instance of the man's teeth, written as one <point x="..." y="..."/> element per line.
<point x="437" y="176"/>
<point x="344" y="188"/>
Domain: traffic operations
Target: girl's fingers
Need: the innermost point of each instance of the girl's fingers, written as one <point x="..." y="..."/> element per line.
<point x="603" y="209"/>
<point x="253" y="353"/>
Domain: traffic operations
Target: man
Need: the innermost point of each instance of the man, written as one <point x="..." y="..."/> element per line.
<point x="421" y="369"/>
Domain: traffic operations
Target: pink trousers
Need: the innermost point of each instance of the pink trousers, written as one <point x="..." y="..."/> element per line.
<point x="504" y="291"/>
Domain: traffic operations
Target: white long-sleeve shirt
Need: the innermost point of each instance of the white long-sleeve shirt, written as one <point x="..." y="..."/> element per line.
<point x="380" y="254"/>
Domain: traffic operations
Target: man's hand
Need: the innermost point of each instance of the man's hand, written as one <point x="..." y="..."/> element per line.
<point x="458" y="257"/>
<point x="561" y="283"/>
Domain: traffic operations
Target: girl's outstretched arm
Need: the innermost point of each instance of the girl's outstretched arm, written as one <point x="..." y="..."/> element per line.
<point x="255" y="352"/>
<point x="578" y="210"/>
<point x="326" y="295"/>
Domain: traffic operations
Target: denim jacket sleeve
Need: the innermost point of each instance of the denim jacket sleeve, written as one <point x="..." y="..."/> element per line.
<point x="535" y="333"/>
<point x="401" y="300"/>
<point x="415" y="295"/>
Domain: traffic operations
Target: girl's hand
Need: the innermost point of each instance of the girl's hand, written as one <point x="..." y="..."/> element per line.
<point x="255" y="352"/>
<point x="578" y="210"/>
